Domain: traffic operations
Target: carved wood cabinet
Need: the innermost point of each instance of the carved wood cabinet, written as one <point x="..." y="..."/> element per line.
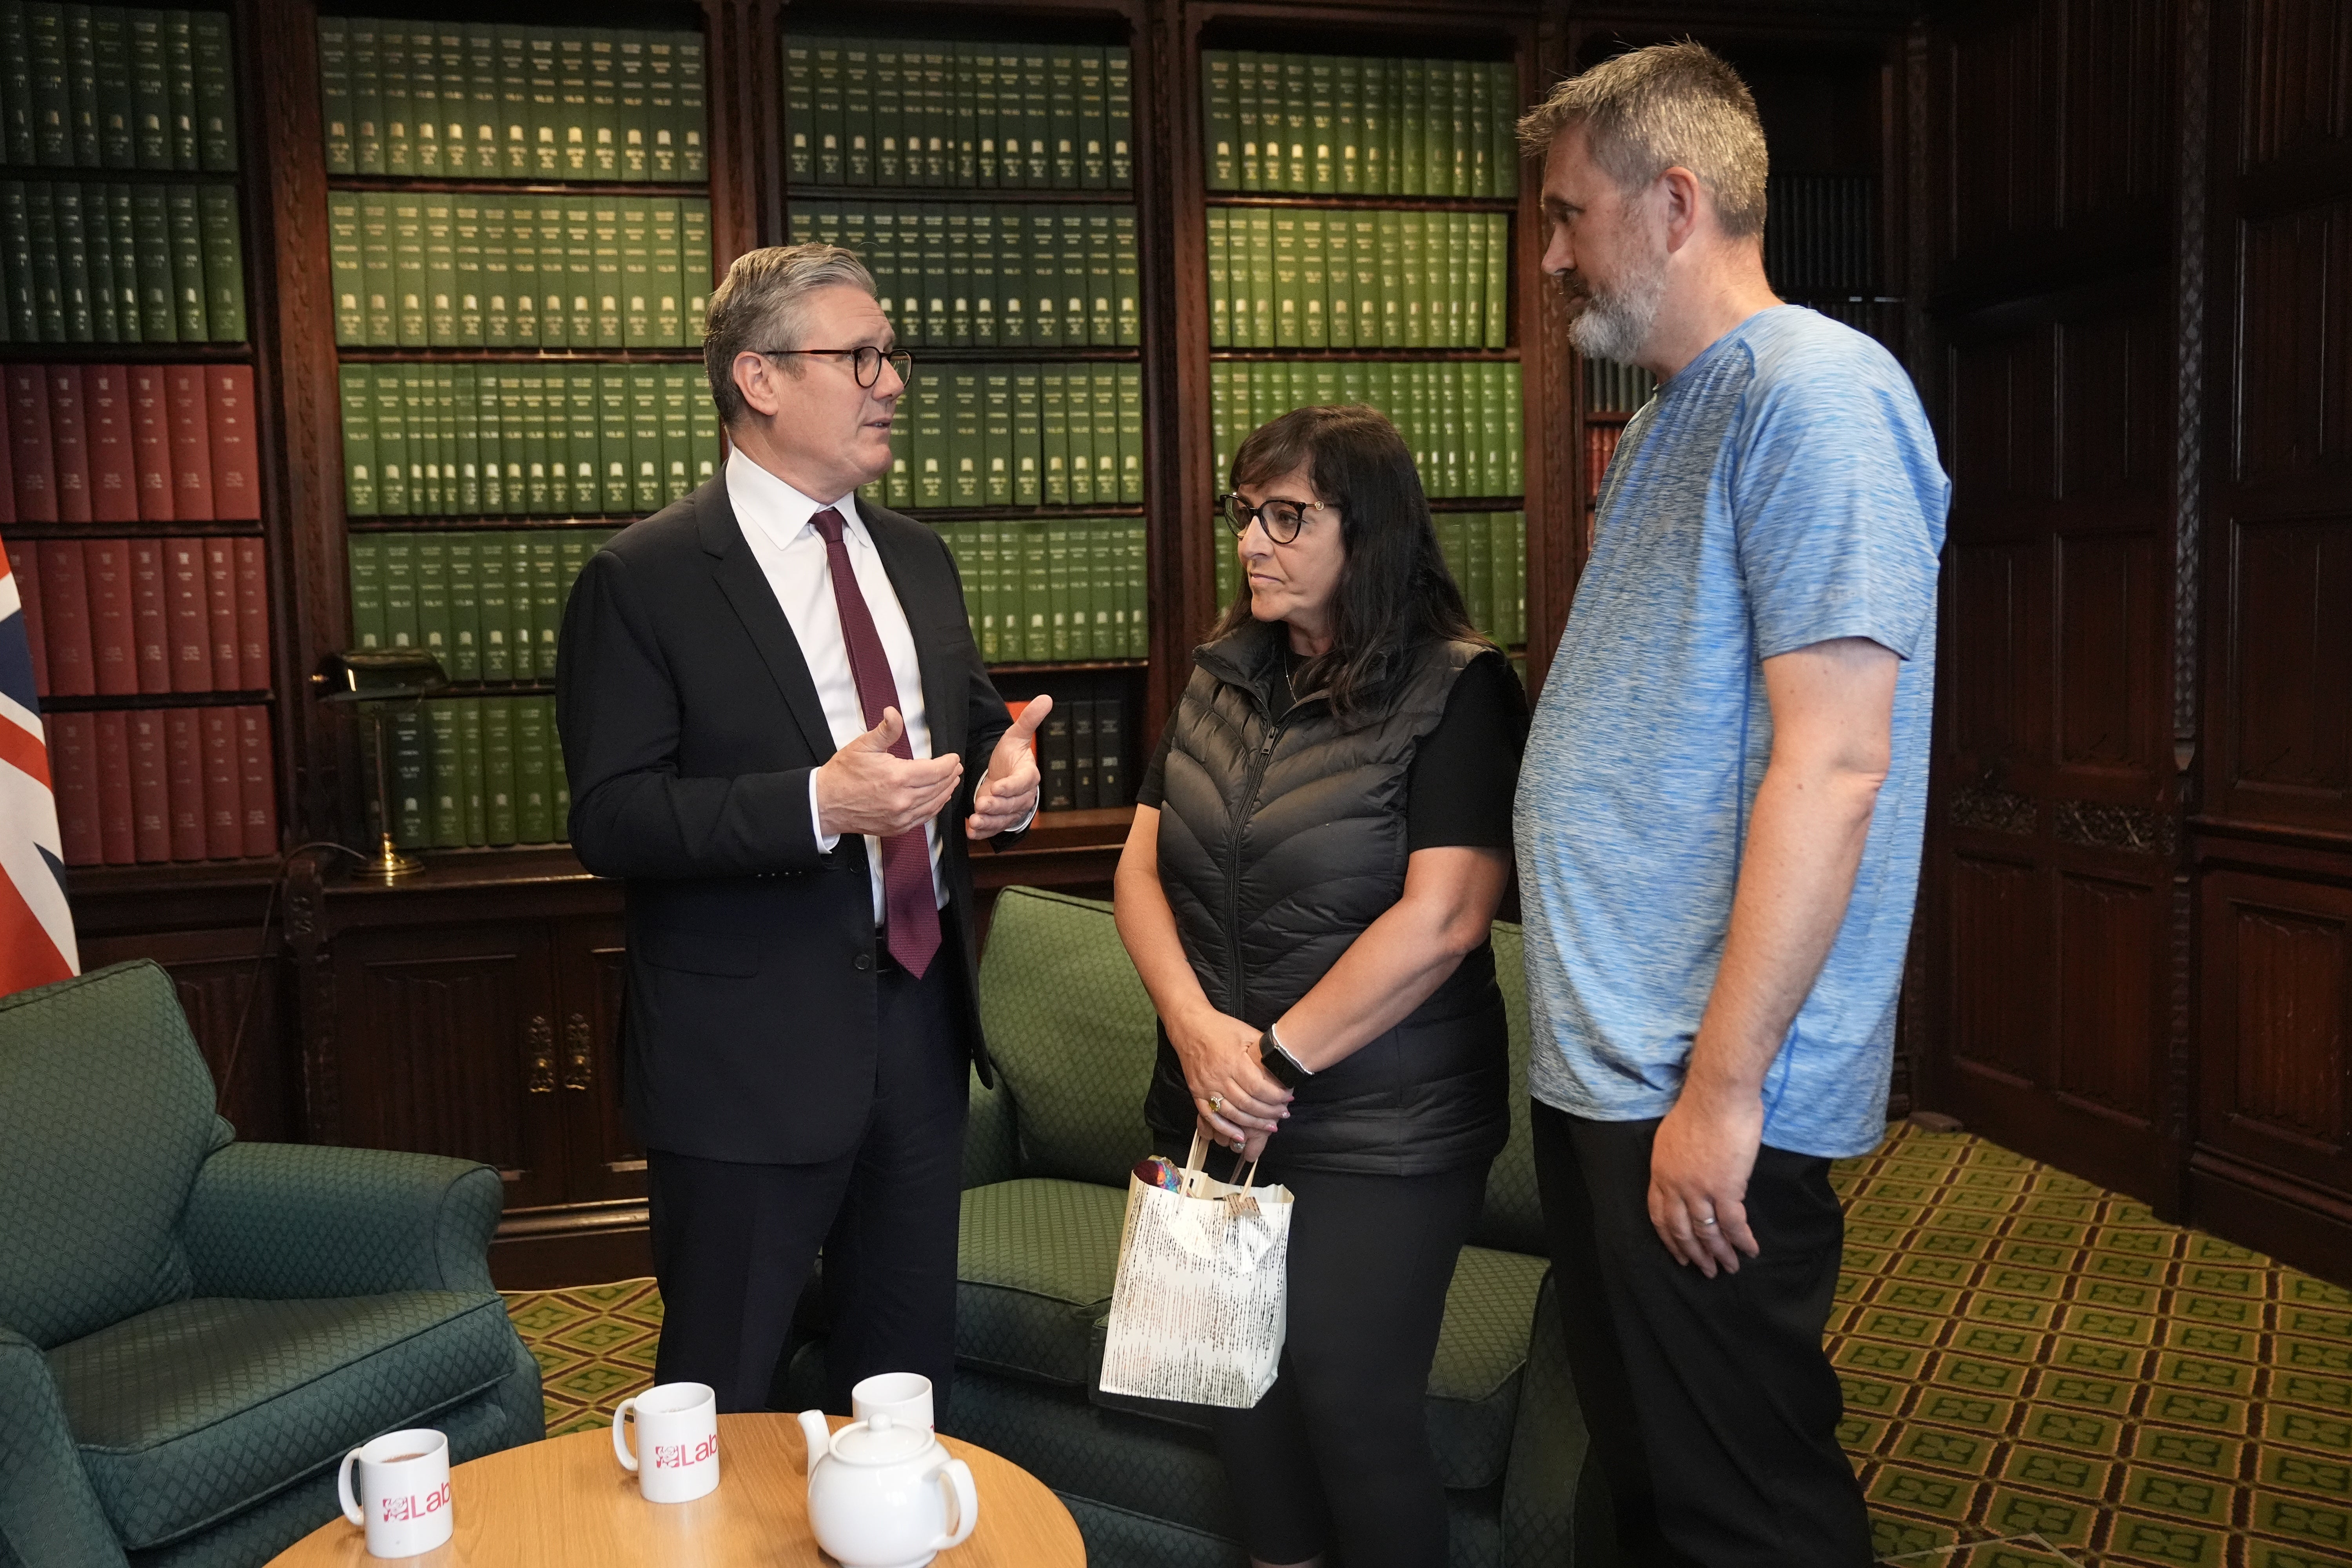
<point x="475" y="1010"/>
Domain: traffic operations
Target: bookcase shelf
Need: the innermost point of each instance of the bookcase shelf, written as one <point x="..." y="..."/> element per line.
<point x="1020" y="513"/>
<point x="1065" y="666"/>
<point x="1372" y="356"/>
<point x="1355" y="201"/>
<point x="1017" y="354"/>
<point x="495" y="688"/>
<point x="115" y="176"/>
<point x="355" y="353"/>
<point x="606" y="522"/>
<point x="1016" y="193"/>
<point x="126" y="354"/>
<point x="32" y="531"/>
<point x="1478" y="503"/>
<point x="426" y="186"/>
<point x="128" y="701"/>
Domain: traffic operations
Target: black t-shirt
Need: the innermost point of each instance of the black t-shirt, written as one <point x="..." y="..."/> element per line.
<point x="1459" y="786"/>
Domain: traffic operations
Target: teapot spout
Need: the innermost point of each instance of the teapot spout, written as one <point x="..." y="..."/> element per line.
<point x="819" y="1435"/>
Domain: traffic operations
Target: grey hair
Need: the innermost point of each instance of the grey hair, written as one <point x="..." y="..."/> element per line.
<point x="758" y="306"/>
<point x="1649" y="110"/>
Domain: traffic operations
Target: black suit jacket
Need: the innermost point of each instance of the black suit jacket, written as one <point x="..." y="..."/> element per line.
<point x="690" y="726"/>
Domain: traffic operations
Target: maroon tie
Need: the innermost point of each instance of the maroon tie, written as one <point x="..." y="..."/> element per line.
<point x="911" y="911"/>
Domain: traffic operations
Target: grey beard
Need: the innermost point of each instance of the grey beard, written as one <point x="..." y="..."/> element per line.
<point x="1616" y="323"/>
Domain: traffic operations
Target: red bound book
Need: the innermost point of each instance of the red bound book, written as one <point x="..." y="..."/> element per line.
<point x="151" y="441"/>
<point x="252" y="618"/>
<point x="151" y="788"/>
<point x="7" y="465"/>
<point x="68" y="443"/>
<point x="188" y="616"/>
<point x="192" y="444"/>
<point x="184" y="773"/>
<point x="106" y="569"/>
<point x="23" y="564"/>
<point x="150" y="633"/>
<point x="113" y="471"/>
<point x="30" y="461"/>
<point x="237" y="475"/>
<point x="117" y="841"/>
<point x="65" y="611"/>
<point x="223" y="798"/>
<point x="257" y="781"/>
<point x="220" y="596"/>
<point x="73" y="776"/>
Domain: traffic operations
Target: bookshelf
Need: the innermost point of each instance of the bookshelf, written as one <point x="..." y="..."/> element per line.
<point x="986" y="169"/>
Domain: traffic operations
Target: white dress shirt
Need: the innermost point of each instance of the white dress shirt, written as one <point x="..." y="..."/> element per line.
<point x="790" y="552"/>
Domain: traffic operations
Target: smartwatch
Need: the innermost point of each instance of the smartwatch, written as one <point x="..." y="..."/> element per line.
<point x="1280" y="1065"/>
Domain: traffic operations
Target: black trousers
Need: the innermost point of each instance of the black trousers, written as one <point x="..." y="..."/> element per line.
<point x="734" y="1245"/>
<point x="1712" y="1406"/>
<point x="1337" y="1454"/>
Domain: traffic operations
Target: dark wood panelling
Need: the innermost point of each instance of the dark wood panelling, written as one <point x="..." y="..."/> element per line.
<point x="445" y="1037"/>
<point x="2277" y="1086"/>
<point x="2110" y="629"/>
<point x="606" y="1162"/>
<point x="2117" y="121"/>
<point x="2000" y="948"/>
<point x="239" y="1009"/>
<point x="2296" y="344"/>
<point x="2110" y="953"/>
<point x="1995" y="657"/>
<point x="2290" y="746"/>
<point x="2002" y="442"/>
<point x="1998" y="169"/>
<point x="2297" y="94"/>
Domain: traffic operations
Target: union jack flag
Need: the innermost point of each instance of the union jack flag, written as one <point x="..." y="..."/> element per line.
<point x="37" y="938"/>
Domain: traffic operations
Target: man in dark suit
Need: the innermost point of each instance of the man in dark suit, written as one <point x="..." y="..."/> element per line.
<point x="779" y="731"/>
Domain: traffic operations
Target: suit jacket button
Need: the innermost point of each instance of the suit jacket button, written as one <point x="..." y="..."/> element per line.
<point x="863" y="960"/>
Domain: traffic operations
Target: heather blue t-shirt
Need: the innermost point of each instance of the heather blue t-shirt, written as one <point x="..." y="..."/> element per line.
<point x="1783" y="490"/>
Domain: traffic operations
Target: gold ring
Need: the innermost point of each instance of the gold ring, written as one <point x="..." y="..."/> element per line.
<point x="1216" y="1103"/>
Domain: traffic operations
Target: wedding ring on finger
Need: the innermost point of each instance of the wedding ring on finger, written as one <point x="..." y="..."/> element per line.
<point x="1217" y="1103"/>
<point x="1709" y="1220"/>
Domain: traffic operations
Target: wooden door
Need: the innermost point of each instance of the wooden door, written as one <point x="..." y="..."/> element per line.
<point x="604" y="1162"/>
<point x="446" y="1042"/>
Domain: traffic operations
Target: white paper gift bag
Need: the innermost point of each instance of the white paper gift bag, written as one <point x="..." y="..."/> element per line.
<point x="1199" y="1312"/>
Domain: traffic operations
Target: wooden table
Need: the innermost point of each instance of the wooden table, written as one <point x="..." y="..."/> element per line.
<point x="566" y="1502"/>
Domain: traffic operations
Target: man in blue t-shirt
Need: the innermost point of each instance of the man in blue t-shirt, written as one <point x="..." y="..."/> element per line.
<point x="1719" y="823"/>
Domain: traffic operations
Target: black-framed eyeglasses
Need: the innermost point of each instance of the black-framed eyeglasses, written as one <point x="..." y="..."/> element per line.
<point x="865" y="364"/>
<point x="1281" y="518"/>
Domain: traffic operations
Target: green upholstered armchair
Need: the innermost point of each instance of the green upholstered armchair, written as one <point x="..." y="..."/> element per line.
<point x="193" y="1330"/>
<point x="1046" y="1158"/>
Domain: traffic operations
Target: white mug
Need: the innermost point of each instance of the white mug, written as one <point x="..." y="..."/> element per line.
<point x="904" y="1396"/>
<point x="676" y="1459"/>
<point x="404" y="1478"/>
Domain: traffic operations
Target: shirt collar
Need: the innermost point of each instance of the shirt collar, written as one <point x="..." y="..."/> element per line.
<point x="778" y="510"/>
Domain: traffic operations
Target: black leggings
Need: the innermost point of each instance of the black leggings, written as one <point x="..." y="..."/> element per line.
<point x="1337" y="1454"/>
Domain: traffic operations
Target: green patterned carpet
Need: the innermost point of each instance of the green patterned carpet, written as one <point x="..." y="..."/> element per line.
<point x="2038" y="1374"/>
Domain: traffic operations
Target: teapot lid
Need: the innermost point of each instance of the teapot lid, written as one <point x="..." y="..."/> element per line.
<point x="878" y="1440"/>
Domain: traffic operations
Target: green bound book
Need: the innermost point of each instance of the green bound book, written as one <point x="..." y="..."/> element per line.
<point x="825" y="111"/>
<point x="1249" y="161"/>
<point x="533" y="760"/>
<point x="1314" y="281"/>
<point x="1066" y="594"/>
<point x="1062" y="110"/>
<point x="522" y="606"/>
<point x="1129" y="381"/>
<point x="399" y="590"/>
<point x="1093" y="121"/>
<point x="464" y="660"/>
<point x="1348" y="125"/>
<point x="583" y="423"/>
<point x="431" y="558"/>
<point x="1297" y="124"/>
<point x="424" y="102"/>
<point x="1036" y="593"/>
<point x="645" y="440"/>
<point x="73" y="262"/>
<point x="472" y="768"/>
<point x="606" y="246"/>
<point x="496" y="607"/>
<point x="389" y="414"/>
<point x="335" y="92"/>
<point x="1221" y="325"/>
<point x="635" y="217"/>
<point x="465" y="250"/>
<point x="150" y="97"/>
<point x="438" y="219"/>
<point x="111" y="42"/>
<point x="661" y="106"/>
<point x="799" y="113"/>
<point x="547" y="592"/>
<point x="1138" y="593"/>
<point x="929" y="440"/>
<point x="1220" y="125"/>
<point x="1412" y="276"/>
<point x="1322" y="124"/>
<point x="966" y="444"/>
<point x="1262" y="333"/>
<point x="1047" y="328"/>
<point x="996" y="435"/>
<point x="1054" y="435"/>
<point x="366" y="556"/>
<point x="572" y="224"/>
<point x="392" y="71"/>
<point x="1078" y="416"/>
<point x="678" y="432"/>
<point x="1407" y="172"/>
<point x="191" y="289"/>
<point x="358" y="403"/>
<point x="215" y="92"/>
<point x="1461" y="274"/>
<point x="694" y="268"/>
<point x="958" y="257"/>
<point x="1459" y="100"/>
<point x="1288" y="328"/>
<point x="1339" y="278"/>
<point x="689" y="119"/>
<point x="1102" y="285"/>
<point x="1106" y="605"/>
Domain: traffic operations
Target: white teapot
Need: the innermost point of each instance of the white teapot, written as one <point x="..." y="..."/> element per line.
<point x="880" y="1494"/>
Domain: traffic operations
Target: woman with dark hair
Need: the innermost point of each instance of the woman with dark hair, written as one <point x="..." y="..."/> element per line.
<point x="1319" y="848"/>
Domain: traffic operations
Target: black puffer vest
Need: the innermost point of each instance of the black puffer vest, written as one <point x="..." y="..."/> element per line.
<point x="1280" y="840"/>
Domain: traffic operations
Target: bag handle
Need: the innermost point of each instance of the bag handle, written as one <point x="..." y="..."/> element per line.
<point x="1195" y="1163"/>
